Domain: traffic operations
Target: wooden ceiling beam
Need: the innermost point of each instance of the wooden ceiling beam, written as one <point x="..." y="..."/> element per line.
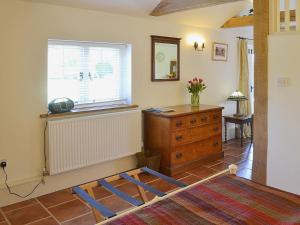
<point x="249" y="20"/>
<point x="239" y="22"/>
<point x="171" y="6"/>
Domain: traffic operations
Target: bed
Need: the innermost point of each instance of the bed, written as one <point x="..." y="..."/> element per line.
<point x="221" y="199"/>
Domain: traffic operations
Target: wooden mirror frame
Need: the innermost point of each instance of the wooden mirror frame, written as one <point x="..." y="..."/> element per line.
<point x="167" y="40"/>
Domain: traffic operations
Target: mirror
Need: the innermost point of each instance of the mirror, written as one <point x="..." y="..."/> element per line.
<point x="165" y="58"/>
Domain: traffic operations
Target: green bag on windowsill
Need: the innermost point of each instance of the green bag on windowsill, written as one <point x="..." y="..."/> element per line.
<point x="61" y="105"/>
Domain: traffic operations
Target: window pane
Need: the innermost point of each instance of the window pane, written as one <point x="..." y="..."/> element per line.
<point x="63" y="72"/>
<point x="87" y="72"/>
<point x="104" y="67"/>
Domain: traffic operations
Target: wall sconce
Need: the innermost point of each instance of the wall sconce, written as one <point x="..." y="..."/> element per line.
<point x="196" y="47"/>
<point x="197" y="42"/>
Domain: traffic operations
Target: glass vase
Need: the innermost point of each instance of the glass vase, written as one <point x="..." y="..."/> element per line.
<point x="195" y="99"/>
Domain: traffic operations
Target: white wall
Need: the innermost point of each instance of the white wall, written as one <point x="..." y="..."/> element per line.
<point x="25" y="29"/>
<point x="284" y="110"/>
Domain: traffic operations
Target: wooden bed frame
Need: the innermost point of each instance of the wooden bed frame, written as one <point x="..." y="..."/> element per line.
<point x="85" y="191"/>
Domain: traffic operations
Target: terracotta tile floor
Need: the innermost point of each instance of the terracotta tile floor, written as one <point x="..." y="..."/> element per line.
<point x="64" y="208"/>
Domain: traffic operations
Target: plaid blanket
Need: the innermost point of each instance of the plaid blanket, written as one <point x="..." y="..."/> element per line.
<point x="223" y="200"/>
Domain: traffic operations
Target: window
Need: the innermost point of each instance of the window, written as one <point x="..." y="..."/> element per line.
<point x="89" y="73"/>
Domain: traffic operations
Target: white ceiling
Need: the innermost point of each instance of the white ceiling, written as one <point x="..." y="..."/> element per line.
<point x="210" y="17"/>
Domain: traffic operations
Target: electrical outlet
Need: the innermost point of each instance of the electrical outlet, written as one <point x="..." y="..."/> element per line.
<point x="3" y="163"/>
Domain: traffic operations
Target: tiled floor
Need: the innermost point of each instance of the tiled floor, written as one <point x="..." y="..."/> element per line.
<point x="64" y="208"/>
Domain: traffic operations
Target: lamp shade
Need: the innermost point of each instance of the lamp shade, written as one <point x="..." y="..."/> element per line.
<point x="237" y="96"/>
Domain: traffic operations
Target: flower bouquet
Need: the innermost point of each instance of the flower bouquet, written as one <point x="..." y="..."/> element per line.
<point x="195" y="87"/>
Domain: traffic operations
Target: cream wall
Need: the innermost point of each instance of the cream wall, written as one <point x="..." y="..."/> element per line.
<point x="284" y="110"/>
<point x="25" y="29"/>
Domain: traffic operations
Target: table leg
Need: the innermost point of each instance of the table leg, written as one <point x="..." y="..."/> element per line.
<point x="242" y="134"/>
<point x="225" y="124"/>
<point x="251" y="124"/>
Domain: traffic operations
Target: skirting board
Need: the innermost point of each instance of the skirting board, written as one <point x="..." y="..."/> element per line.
<point x="70" y="179"/>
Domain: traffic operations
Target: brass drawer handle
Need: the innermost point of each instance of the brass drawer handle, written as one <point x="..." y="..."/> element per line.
<point x="178" y="124"/>
<point x="178" y="155"/>
<point x="203" y="119"/>
<point x="216" y="129"/>
<point x="193" y="121"/>
<point x="179" y="138"/>
<point x="216" y="143"/>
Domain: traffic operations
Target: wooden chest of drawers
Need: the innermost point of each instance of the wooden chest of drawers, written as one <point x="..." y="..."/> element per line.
<point x="186" y="138"/>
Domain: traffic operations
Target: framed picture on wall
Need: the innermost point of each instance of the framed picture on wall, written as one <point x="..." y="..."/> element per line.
<point x="219" y="52"/>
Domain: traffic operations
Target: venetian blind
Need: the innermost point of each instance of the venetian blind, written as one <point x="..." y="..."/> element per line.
<point x="86" y="72"/>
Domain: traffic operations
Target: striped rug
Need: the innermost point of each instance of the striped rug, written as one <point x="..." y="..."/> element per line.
<point x="223" y="200"/>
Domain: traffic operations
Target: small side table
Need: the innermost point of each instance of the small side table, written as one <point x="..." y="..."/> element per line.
<point x="241" y="121"/>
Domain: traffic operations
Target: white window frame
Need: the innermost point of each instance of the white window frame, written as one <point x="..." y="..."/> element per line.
<point x="126" y="68"/>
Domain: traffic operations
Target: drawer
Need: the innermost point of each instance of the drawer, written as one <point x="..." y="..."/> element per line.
<point x="195" y="134"/>
<point x="190" y="121"/>
<point x="179" y="123"/>
<point x="209" y="118"/>
<point x="196" y="151"/>
<point x="216" y="117"/>
<point x="197" y="119"/>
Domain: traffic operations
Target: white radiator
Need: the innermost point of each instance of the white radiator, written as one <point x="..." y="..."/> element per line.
<point x="83" y="141"/>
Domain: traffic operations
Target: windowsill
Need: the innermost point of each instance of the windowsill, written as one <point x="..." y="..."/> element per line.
<point x="87" y="110"/>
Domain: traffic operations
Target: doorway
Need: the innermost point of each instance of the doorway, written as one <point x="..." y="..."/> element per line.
<point x="251" y="74"/>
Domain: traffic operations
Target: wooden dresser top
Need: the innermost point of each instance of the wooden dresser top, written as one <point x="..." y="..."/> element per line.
<point x="183" y="110"/>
